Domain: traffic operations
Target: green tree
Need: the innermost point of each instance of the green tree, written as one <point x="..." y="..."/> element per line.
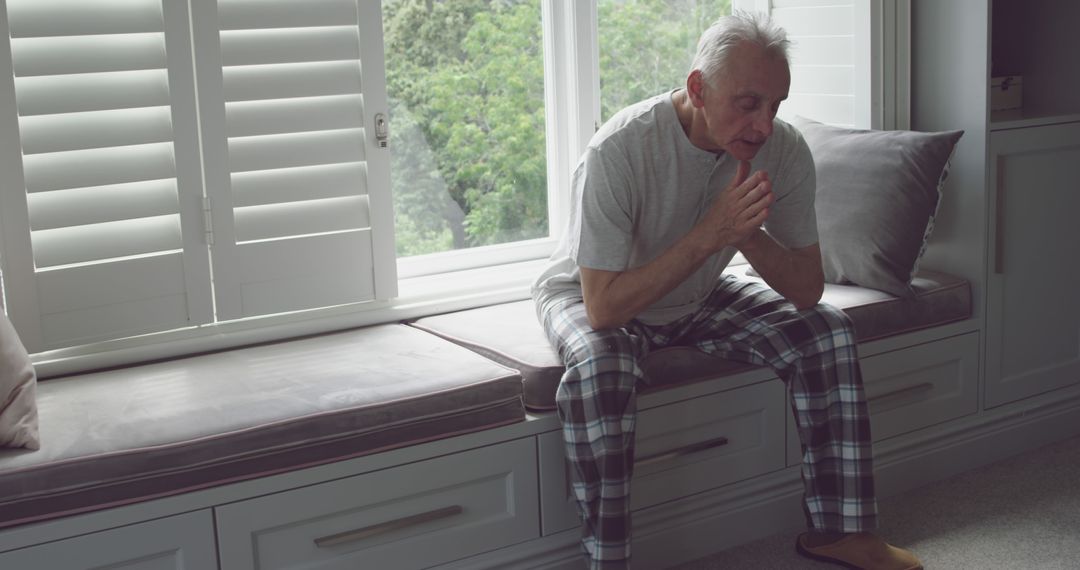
<point x="466" y="86"/>
<point x="646" y="46"/>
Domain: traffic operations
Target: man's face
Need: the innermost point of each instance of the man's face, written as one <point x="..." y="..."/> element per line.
<point x="740" y="108"/>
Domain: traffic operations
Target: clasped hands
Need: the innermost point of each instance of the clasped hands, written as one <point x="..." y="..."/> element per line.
<point x="737" y="211"/>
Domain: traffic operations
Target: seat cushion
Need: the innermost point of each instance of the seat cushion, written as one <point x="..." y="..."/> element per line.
<point x="120" y="436"/>
<point x="511" y="335"/>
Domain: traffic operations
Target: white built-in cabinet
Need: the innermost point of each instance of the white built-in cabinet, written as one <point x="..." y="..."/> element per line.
<point x="1033" y="174"/>
<point x="1033" y="313"/>
<point x="1008" y="220"/>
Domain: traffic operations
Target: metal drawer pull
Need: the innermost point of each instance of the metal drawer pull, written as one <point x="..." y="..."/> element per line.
<point x="384" y="527"/>
<point x="681" y="452"/>
<point x="925" y="386"/>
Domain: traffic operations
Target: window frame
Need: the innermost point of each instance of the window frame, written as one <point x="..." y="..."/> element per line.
<point x="447" y="281"/>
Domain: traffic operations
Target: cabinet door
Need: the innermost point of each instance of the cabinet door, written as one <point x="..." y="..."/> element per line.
<point x="181" y="542"/>
<point x="1033" y="340"/>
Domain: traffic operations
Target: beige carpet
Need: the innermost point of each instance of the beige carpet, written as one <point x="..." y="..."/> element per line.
<point x="1020" y="513"/>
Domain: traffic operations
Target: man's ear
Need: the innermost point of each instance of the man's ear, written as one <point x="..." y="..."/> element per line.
<point x="695" y="85"/>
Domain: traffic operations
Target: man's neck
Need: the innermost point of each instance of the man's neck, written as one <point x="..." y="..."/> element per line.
<point x="688" y="114"/>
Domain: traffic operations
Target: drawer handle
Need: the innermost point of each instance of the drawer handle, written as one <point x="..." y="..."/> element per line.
<point x="681" y="452"/>
<point x="384" y="527"/>
<point x="924" y="387"/>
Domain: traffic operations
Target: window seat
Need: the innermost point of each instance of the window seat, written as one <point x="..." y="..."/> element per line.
<point x="510" y="334"/>
<point x="122" y="436"/>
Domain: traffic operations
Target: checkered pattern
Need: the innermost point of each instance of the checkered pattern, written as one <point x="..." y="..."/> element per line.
<point x="812" y="350"/>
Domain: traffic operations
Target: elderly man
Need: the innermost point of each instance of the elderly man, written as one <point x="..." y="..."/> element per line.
<point x="665" y="194"/>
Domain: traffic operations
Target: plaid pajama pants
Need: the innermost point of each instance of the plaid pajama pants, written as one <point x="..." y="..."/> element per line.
<point x="812" y="350"/>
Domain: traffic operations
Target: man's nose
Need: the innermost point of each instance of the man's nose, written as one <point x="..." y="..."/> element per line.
<point x="763" y="123"/>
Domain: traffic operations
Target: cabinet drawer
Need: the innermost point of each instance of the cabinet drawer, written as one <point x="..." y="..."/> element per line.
<point x="923" y="385"/>
<point x="413" y="516"/>
<point x="916" y="387"/>
<point x="181" y="542"/>
<point x="684" y="448"/>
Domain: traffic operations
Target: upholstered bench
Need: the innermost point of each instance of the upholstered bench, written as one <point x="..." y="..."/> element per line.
<point x="511" y="335"/>
<point x="121" y="436"/>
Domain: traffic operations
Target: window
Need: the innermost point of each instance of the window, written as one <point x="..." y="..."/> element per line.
<point x="181" y="176"/>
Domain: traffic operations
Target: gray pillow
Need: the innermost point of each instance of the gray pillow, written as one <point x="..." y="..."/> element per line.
<point x="877" y="194"/>
<point x="18" y="404"/>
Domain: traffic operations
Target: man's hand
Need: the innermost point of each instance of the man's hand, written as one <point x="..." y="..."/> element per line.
<point x="737" y="211"/>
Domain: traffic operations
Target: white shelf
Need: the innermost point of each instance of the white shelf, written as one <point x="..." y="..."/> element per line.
<point x="1021" y="118"/>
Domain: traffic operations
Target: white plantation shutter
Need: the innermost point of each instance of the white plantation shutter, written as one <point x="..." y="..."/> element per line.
<point x="102" y="222"/>
<point x="161" y="169"/>
<point x="298" y="184"/>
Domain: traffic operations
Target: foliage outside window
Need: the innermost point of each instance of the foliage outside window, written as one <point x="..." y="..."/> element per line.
<point x="646" y="46"/>
<point x="465" y="80"/>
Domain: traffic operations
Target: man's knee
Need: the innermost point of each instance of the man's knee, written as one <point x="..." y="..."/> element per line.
<point x="834" y="321"/>
<point x="600" y="363"/>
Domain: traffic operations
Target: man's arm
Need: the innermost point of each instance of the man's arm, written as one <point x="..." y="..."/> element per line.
<point x="613" y="298"/>
<point x="794" y="273"/>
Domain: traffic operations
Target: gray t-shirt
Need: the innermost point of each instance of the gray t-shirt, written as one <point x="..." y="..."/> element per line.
<point x="641" y="185"/>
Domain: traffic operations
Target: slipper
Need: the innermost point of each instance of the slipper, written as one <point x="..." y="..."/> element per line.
<point x="861" y="551"/>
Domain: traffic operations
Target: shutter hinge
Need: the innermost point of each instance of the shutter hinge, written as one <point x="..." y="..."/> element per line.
<point x="208" y="221"/>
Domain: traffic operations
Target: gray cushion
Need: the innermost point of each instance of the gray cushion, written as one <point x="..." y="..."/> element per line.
<point x="511" y="335"/>
<point x="877" y="194"/>
<point x="125" y="435"/>
<point x="18" y="403"/>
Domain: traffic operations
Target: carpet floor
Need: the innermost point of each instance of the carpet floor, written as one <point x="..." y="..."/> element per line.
<point x="1019" y="513"/>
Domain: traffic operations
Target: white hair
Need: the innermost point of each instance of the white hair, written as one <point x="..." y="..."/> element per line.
<point x="716" y="43"/>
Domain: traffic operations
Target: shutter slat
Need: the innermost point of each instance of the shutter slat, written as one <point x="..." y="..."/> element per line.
<point x="297" y="149"/>
<point x="832" y="109"/>
<point x="249" y="118"/>
<point x="92" y="92"/>
<point x="258" y="47"/>
<point x="111" y="240"/>
<point x="95" y="129"/>
<point x="294" y="184"/>
<point x="822" y="79"/>
<point x="248" y="14"/>
<point x="81" y="206"/>
<point x="823" y="51"/>
<point x="816" y="20"/>
<point x="282" y="81"/>
<point x="301" y="218"/>
<point x="98" y="167"/>
<point x="35" y="18"/>
<point x="87" y="54"/>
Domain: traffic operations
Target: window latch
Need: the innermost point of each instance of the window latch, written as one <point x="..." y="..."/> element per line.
<point x="382" y="130"/>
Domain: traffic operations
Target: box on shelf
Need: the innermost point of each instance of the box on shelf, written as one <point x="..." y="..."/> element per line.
<point x="1006" y="92"/>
